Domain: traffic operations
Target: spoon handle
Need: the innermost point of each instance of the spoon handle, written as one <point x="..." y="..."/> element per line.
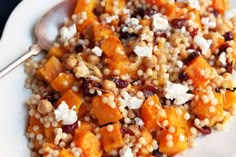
<point x="33" y="50"/>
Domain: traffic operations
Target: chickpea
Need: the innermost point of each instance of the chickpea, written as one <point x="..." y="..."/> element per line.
<point x="108" y="85"/>
<point x="93" y="59"/>
<point x="45" y="106"/>
<point x="71" y="62"/>
<point x="150" y="62"/>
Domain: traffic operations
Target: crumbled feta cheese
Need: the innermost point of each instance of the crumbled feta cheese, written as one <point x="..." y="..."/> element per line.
<point x="202" y="43"/>
<point x="222" y="58"/>
<point x="97" y="51"/>
<point x="180" y="64"/>
<point x="207" y="22"/>
<point x="230" y="14"/>
<point x="139" y="121"/>
<point x="67" y="33"/>
<point x="111" y="18"/>
<point x="178" y="92"/>
<point x="143" y="51"/>
<point x="126" y="152"/>
<point x="64" y="114"/>
<point x="194" y="4"/>
<point x="131" y="102"/>
<point x="132" y="23"/>
<point x="159" y="23"/>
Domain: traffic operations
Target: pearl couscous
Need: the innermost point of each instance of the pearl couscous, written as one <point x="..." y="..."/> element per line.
<point x="133" y="78"/>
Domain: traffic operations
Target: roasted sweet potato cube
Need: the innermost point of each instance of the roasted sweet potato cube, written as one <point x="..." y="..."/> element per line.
<point x="148" y="139"/>
<point x="103" y="111"/>
<point x="63" y="82"/>
<point x="101" y="32"/>
<point x="56" y="51"/>
<point x="221" y="5"/>
<point x="199" y="71"/>
<point x="229" y="99"/>
<point x="35" y="122"/>
<point x="72" y="99"/>
<point x="176" y="144"/>
<point x="49" y="71"/>
<point x="49" y="134"/>
<point x="120" y="63"/>
<point x="110" y="7"/>
<point x="89" y="144"/>
<point x="152" y="112"/>
<point x="111" y="45"/>
<point x="157" y="2"/>
<point x="65" y="153"/>
<point x="209" y="105"/>
<point x="111" y="137"/>
<point x="84" y="127"/>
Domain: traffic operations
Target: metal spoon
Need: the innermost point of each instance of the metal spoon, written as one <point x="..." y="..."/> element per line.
<point x="46" y="32"/>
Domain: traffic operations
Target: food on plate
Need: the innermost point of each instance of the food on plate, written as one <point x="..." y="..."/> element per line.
<point x="133" y="78"/>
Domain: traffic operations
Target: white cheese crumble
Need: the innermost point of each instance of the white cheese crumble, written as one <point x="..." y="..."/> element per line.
<point x="64" y="114"/>
<point x="202" y="43"/>
<point x="132" y="23"/>
<point x="177" y="92"/>
<point x="208" y="22"/>
<point x="126" y="152"/>
<point x="131" y="102"/>
<point x="138" y="121"/>
<point x="230" y="14"/>
<point x="159" y="23"/>
<point x="222" y="58"/>
<point x="143" y="51"/>
<point x="97" y="51"/>
<point x="67" y="33"/>
<point x="194" y="4"/>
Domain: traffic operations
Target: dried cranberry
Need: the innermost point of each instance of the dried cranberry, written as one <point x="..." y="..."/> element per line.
<point x="162" y="35"/>
<point x="157" y="153"/>
<point x="140" y="11"/>
<point x="229" y="36"/>
<point x="51" y="98"/>
<point x="191" y="57"/>
<point x="229" y="67"/>
<point x="119" y="82"/>
<point x="205" y="130"/>
<point x="126" y="35"/>
<point x="183" y="76"/>
<point x="178" y="23"/>
<point x="194" y="32"/>
<point x="70" y="128"/>
<point x="125" y="130"/>
<point x="148" y="91"/>
<point x="88" y="83"/>
<point x="79" y="48"/>
<point x="223" y="48"/>
<point x="98" y="10"/>
<point x="215" y="12"/>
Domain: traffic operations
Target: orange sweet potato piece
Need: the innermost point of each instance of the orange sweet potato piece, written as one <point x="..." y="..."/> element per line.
<point x="148" y="138"/>
<point x="158" y="3"/>
<point x="109" y="6"/>
<point x="104" y="113"/>
<point x="50" y="70"/>
<point x="178" y="144"/>
<point x="65" y="153"/>
<point x="56" y="51"/>
<point x="150" y="112"/>
<point x="110" y="46"/>
<point x="63" y="82"/>
<point x="221" y="5"/>
<point x="101" y="32"/>
<point x="84" y="127"/>
<point x="111" y="139"/>
<point x="35" y="122"/>
<point x="120" y="63"/>
<point x="208" y="109"/>
<point x="89" y="144"/>
<point x="199" y="71"/>
<point x="83" y="6"/>
<point x="229" y="99"/>
<point x="194" y="15"/>
<point x="72" y="99"/>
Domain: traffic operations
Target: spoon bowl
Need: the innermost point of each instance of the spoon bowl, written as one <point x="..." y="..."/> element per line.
<point x="46" y="32"/>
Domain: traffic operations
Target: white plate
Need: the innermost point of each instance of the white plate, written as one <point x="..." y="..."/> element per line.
<point x="16" y="39"/>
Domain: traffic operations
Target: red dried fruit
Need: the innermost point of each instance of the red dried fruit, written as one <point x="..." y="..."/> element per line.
<point x="87" y="84"/>
<point x="148" y="91"/>
<point x="156" y="153"/>
<point x="178" y="23"/>
<point x="191" y="57"/>
<point x="126" y="131"/>
<point x="70" y="128"/>
<point x="205" y="130"/>
<point x="119" y="82"/>
<point x="229" y="36"/>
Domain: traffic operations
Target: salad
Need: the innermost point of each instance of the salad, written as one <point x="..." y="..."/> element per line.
<point x="133" y="78"/>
